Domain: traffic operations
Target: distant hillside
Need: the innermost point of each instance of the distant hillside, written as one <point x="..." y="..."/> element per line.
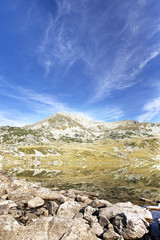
<point x="73" y="128"/>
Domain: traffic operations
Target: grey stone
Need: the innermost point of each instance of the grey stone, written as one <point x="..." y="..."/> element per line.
<point x="97" y="229"/>
<point x="83" y="199"/>
<point x="10" y="203"/>
<point x="100" y="203"/>
<point x="68" y="209"/>
<point x="93" y="219"/>
<point x="18" y="195"/>
<point x="2" y="189"/>
<point x="78" y="215"/>
<point x="40" y="211"/>
<point x="61" y="198"/>
<point x="4" y="208"/>
<point x="110" y="235"/>
<point x="88" y="212"/>
<point x="52" y="207"/>
<point x="103" y="221"/>
<point x="35" y="202"/>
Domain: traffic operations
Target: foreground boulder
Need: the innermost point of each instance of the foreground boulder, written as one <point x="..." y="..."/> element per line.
<point x="130" y="225"/>
<point x="115" y="209"/>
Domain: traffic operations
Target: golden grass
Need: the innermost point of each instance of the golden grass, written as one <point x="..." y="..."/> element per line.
<point x="102" y="163"/>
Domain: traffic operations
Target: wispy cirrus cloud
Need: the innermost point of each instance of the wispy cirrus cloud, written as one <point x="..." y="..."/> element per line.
<point x="7" y="119"/>
<point x="113" y="55"/>
<point x="106" y="113"/>
<point x="153" y="55"/>
<point x="137" y="48"/>
<point x="37" y="106"/>
<point x="8" y="122"/>
<point x="90" y="54"/>
<point x="151" y="110"/>
<point x="38" y="102"/>
<point x="46" y="104"/>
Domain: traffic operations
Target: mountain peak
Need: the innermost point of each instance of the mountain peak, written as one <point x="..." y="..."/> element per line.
<point x="73" y="115"/>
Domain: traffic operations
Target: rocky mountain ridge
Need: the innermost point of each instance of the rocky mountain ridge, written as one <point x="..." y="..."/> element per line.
<point x="73" y="128"/>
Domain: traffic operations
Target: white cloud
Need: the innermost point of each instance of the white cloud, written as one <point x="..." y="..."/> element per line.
<point x="67" y="40"/>
<point x="107" y="114"/>
<point x="46" y="104"/>
<point x="43" y="105"/>
<point x="153" y="55"/>
<point x="14" y="118"/>
<point x="124" y="72"/>
<point x="39" y="102"/>
<point x="151" y="110"/>
<point x="46" y="38"/>
<point x="8" y="122"/>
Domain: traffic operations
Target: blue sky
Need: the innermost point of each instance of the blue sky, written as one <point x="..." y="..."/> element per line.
<point x="96" y="58"/>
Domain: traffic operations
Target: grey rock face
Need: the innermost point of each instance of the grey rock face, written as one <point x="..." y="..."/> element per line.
<point x="71" y="229"/>
<point x="68" y="209"/>
<point x="4" y="208"/>
<point x="10" y="203"/>
<point x="88" y="212"/>
<point x="97" y="229"/>
<point x="129" y="220"/>
<point x="52" y="207"/>
<point x="110" y="235"/>
<point x="130" y="225"/>
<point x="2" y="189"/>
<point x="103" y="221"/>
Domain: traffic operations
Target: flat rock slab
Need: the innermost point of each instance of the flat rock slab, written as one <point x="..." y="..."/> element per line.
<point x="35" y="202"/>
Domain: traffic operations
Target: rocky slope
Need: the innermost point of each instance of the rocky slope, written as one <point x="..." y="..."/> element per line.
<point x="30" y="211"/>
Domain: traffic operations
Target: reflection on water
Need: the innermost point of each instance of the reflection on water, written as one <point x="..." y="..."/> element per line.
<point x="116" y="173"/>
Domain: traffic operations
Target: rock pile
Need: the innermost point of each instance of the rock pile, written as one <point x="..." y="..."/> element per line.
<point x="29" y="211"/>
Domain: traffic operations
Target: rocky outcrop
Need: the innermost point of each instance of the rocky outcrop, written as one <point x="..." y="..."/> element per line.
<point x="30" y="211"/>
